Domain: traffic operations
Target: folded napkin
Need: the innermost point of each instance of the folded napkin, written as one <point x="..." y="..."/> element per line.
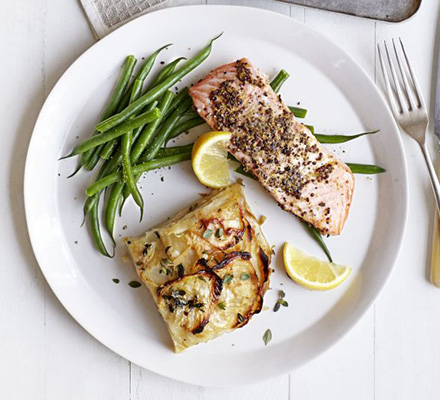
<point x="106" y="15"/>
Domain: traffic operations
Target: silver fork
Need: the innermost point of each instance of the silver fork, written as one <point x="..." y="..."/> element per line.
<point x="408" y="105"/>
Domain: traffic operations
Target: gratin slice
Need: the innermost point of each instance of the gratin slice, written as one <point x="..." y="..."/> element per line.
<point x="207" y="267"/>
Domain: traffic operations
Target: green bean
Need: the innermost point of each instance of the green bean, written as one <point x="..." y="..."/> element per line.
<point x="91" y="164"/>
<point x="91" y="200"/>
<point x="127" y="69"/>
<point x="276" y="86"/>
<point x="243" y="172"/>
<point x="116" y="158"/>
<point x="112" y="207"/>
<point x="126" y="143"/>
<point x="180" y="98"/>
<point x="163" y="152"/>
<point x="334" y="139"/>
<point x="88" y="205"/>
<point x="128" y="173"/>
<point x="186" y="126"/>
<point x="318" y="237"/>
<point x="365" y="169"/>
<point x="140" y="77"/>
<point x="165" y="72"/>
<point x="137" y="169"/>
<point x="157" y="91"/>
<point x="108" y="149"/>
<point x="96" y="230"/>
<point x="148" y="133"/>
<point x="146" y="140"/>
<point x="162" y="75"/>
<point x="77" y="168"/>
<point x="115" y="132"/>
<point x="162" y="136"/>
<point x="142" y="74"/>
<point x="279" y="80"/>
<point x="298" y="112"/>
<point x="232" y="158"/>
<point x="171" y="151"/>
<point x="311" y="128"/>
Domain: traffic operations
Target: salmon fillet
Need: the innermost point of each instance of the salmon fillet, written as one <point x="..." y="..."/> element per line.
<point x="285" y="157"/>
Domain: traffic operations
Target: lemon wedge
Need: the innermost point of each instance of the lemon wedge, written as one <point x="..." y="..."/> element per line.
<point x="210" y="159"/>
<point x="312" y="273"/>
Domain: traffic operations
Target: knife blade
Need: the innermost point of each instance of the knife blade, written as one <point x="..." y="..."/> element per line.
<point x="435" y="256"/>
<point x="437" y="100"/>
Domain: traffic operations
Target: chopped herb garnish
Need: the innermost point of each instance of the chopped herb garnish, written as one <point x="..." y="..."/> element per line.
<point x="267" y="337"/>
<point x="157" y="234"/>
<point x="134" y="284"/>
<point x="208" y="233"/>
<point x="115" y="280"/>
<point x="227" y="278"/>
<point x="180" y="270"/>
<point x="166" y="266"/>
<point x="219" y="233"/>
<point x="167" y="248"/>
<point x="245" y="277"/>
<point x="202" y="278"/>
<point x="195" y="303"/>
<point x="240" y="318"/>
<point x="280" y="302"/>
<point x="175" y="299"/>
<point x="165" y="271"/>
<point x="222" y="305"/>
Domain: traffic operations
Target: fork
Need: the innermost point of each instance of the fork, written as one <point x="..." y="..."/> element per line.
<point x="408" y="106"/>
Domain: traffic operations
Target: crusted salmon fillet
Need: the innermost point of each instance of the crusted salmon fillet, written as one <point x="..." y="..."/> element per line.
<point x="285" y="157"/>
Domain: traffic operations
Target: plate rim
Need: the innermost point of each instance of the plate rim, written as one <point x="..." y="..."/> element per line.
<point x="57" y="290"/>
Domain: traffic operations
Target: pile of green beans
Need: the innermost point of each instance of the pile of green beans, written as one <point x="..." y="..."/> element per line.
<point x="132" y="131"/>
<point x="90" y="158"/>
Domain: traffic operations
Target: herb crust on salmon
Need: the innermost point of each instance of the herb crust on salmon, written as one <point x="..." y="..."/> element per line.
<point x="285" y="157"/>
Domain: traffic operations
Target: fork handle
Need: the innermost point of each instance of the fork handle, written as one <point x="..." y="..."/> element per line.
<point x="435" y="256"/>
<point x="433" y="175"/>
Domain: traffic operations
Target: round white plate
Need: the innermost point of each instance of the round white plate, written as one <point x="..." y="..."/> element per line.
<point x="340" y="98"/>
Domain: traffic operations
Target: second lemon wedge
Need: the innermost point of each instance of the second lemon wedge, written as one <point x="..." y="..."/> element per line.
<point x="312" y="273"/>
<point x="210" y="159"/>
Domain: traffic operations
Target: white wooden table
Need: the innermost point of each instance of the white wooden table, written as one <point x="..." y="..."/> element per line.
<point x="393" y="353"/>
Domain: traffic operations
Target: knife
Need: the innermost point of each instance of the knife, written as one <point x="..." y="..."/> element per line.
<point x="435" y="256"/>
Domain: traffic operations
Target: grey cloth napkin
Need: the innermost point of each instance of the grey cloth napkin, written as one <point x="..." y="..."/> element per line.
<point x="106" y="15"/>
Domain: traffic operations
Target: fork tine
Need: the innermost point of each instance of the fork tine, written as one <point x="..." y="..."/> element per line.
<point x="386" y="79"/>
<point x="408" y="90"/>
<point x="399" y="93"/>
<point x="418" y="92"/>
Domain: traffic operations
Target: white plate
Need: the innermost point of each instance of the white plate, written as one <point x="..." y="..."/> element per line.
<point x="340" y="98"/>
